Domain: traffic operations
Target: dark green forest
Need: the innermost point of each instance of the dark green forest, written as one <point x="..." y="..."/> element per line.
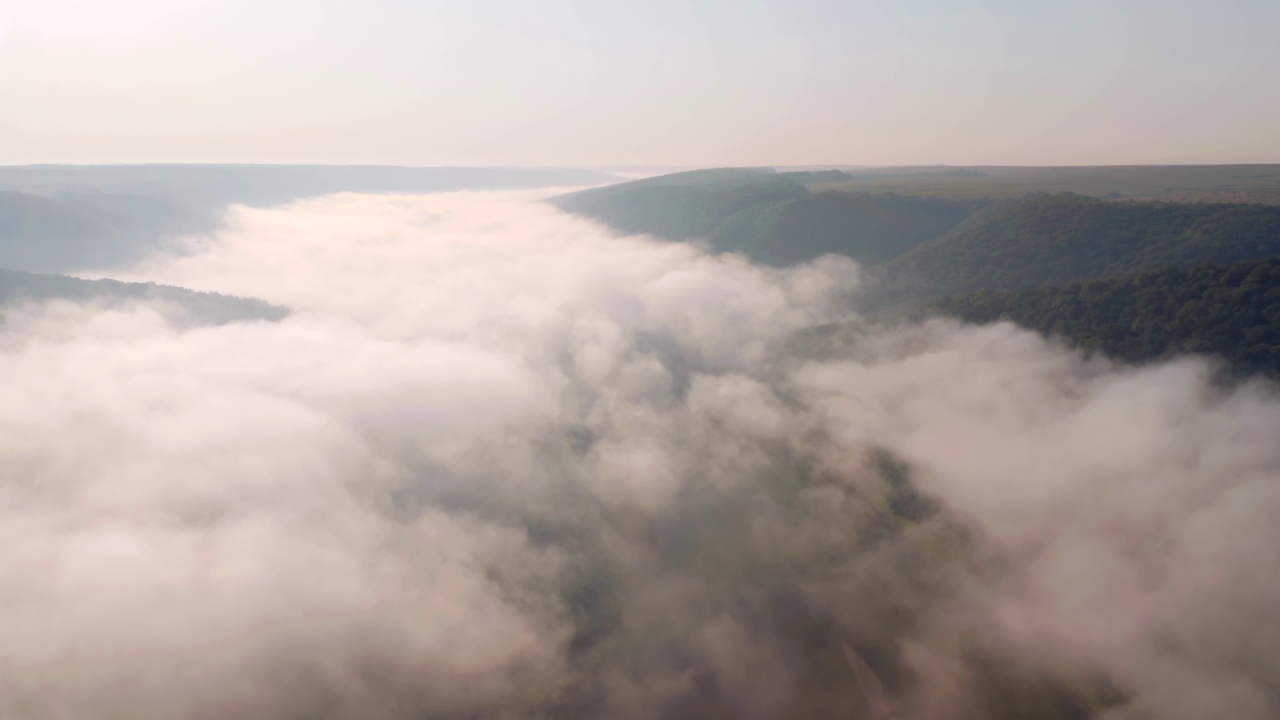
<point x="1136" y="280"/>
<point x="1232" y="311"/>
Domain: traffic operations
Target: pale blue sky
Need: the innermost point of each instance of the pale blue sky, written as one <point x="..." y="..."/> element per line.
<point x="662" y="82"/>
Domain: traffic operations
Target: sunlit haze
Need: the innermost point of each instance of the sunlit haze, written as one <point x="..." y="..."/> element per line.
<point x="664" y="82"/>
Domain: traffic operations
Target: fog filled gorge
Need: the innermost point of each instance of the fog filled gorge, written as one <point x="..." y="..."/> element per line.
<point x="498" y="462"/>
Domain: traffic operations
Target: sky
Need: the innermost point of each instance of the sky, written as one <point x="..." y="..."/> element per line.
<point x="662" y="82"/>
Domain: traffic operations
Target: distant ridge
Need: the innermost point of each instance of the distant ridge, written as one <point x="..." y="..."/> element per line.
<point x="1048" y="239"/>
<point x="194" y="308"/>
<point x="772" y="217"/>
<point x="273" y="184"/>
<point x="66" y="218"/>
<point x="1139" y="280"/>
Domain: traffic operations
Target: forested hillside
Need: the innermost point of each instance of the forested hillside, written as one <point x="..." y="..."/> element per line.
<point x="872" y="229"/>
<point x="770" y="217"/>
<point x="1232" y="311"/>
<point x="1126" y="278"/>
<point x="1181" y="183"/>
<point x="1046" y="239"/>
<point x="1136" y="280"/>
<point x="685" y="206"/>
<point x="199" y="308"/>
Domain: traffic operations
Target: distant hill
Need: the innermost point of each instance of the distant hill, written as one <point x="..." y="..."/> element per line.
<point x="768" y="216"/>
<point x="1232" y="311"/>
<point x="87" y="231"/>
<point x="1047" y="239"/>
<point x="931" y="247"/>
<point x="1138" y="280"/>
<point x="64" y="218"/>
<point x="872" y="229"/>
<point x="185" y="306"/>
<point x="682" y="206"/>
<point x="260" y="185"/>
<point x="815" y="176"/>
<point x="1180" y="183"/>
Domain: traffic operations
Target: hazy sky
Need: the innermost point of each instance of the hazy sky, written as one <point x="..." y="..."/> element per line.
<point x="603" y="82"/>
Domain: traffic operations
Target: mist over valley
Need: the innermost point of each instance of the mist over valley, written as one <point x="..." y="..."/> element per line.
<point x="487" y="458"/>
<point x="664" y="360"/>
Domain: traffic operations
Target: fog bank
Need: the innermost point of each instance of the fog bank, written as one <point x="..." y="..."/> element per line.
<point x="500" y="463"/>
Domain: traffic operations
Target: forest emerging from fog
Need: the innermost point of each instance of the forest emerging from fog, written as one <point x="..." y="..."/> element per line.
<point x="686" y="360"/>
<point x="1169" y="268"/>
<point x="400" y="444"/>
<point x="1135" y="279"/>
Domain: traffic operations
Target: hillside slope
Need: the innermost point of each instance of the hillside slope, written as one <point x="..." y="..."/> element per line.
<point x="770" y="217"/>
<point x="89" y="231"/>
<point x="186" y="306"/>
<point x="682" y="206"/>
<point x="1232" y="311"/>
<point x="872" y="229"/>
<point x="1043" y="240"/>
<point x="1253" y="183"/>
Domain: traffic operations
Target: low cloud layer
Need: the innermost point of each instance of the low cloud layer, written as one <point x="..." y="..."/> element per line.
<point x="498" y="463"/>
